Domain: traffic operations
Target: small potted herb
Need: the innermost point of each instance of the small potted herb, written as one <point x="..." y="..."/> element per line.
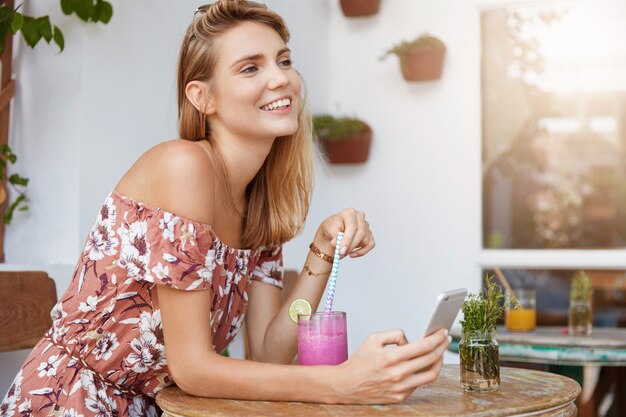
<point x="420" y="59"/>
<point x="480" y="357"/>
<point x="344" y="140"/>
<point x="580" y="311"/>
<point x="358" y="8"/>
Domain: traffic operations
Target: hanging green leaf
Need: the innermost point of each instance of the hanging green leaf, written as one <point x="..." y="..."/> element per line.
<point x="97" y="11"/>
<point x="45" y="28"/>
<point x="84" y="9"/>
<point x="8" y="216"/>
<point x="30" y="30"/>
<point x="17" y="23"/>
<point x="58" y="38"/>
<point x="67" y="6"/>
<point x="15" y="179"/>
<point x="107" y="11"/>
<point x="7" y="154"/>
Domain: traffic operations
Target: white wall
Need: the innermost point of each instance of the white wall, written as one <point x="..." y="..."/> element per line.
<point x="421" y="188"/>
<point x="80" y="118"/>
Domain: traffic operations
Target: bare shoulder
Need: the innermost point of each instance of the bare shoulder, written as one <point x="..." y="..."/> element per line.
<point x="177" y="176"/>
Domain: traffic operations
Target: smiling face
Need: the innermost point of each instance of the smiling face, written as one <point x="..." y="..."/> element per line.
<point x="254" y="91"/>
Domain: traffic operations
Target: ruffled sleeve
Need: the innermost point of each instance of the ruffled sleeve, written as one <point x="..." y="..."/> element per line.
<point x="159" y="247"/>
<point x="269" y="267"/>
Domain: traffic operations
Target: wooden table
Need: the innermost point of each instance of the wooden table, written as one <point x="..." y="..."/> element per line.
<point x="522" y="392"/>
<point x="553" y="347"/>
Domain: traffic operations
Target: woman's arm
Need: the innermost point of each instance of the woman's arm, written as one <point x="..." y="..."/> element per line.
<point x="200" y="371"/>
<point x="373" y="375"/>
<point x="272" y="335"/>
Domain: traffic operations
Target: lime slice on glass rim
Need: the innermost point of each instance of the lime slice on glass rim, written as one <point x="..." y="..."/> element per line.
<point x="299" y="306"/>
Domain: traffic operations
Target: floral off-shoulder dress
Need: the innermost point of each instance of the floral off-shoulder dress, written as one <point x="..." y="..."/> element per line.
<point x="104" y="355"/>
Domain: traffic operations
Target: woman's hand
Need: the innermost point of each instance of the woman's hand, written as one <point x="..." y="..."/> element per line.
<point x="357" y="239"/>
<point x="376" y="374"/>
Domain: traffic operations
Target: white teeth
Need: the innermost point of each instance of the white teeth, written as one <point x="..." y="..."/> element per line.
<point x="278" y="103"/>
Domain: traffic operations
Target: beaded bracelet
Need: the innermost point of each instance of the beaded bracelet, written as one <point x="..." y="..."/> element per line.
<point x="321" y="254"/>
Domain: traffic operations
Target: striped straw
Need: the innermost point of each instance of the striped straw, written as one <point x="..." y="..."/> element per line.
<point x="330" y="297"/>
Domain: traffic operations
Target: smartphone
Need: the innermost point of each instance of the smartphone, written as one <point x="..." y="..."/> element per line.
<point x="446" y="309"/>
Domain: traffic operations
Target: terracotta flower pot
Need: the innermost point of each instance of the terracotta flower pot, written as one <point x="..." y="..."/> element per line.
<point x="354" y="8"/>
<point x="422" y="64"/>
<point x="350" y="150"/>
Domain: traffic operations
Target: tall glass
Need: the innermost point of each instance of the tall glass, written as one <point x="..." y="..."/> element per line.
<point x="523" y="318"/>
<point x="322" y="338"/>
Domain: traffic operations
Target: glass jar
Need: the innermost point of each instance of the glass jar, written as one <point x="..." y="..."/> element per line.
<point x="480" y="361"/>
<point x="580" y="317"/>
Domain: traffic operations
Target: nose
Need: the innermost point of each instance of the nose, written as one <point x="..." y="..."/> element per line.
<point x="277" y="78"/>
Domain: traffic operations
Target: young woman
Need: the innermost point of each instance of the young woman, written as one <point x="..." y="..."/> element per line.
<point x="161" y="270"/>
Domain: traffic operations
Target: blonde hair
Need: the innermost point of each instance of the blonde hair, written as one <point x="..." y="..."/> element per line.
<point x="280" y="194"/>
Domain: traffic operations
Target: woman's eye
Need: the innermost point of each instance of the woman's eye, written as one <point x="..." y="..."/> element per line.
<point x="249" y="70"/>
<point x="286" y="62"/>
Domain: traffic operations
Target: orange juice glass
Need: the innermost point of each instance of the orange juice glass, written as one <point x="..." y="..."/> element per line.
<point x="525" y="317"/>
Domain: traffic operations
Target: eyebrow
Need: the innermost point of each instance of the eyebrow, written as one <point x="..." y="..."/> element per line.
<point x="258" y="56"/>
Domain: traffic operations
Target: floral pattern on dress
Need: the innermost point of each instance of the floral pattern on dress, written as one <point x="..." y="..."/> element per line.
<point x="109" y="317"/>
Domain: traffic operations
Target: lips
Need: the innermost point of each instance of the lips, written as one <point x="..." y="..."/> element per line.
<point x="281" y="103"/>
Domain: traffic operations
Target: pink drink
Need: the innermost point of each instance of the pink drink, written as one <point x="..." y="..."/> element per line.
<point x="322" y="338"/>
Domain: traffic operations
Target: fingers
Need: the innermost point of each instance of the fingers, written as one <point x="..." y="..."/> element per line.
<point x="391" y="337"/>
<point x="362" y="231"/>
<point x="349" y="218"/>
<point x="357" y="235"/>
<point x="422" y="378"/>
<point x="385" y="376"/>
<point x="423" y="346"/>
<point x="369" y="244"/>
<point x="425" y="361"/>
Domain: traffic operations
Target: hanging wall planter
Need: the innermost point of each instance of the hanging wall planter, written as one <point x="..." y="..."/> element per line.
<point x="357" y="8"/>
<point x="343" y="140"/>
<point x="420" y="59"/>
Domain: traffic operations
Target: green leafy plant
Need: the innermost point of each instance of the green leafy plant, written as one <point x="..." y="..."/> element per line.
<point x="34" y="29"/>
<point x="327" y="127"/>
<point x="581" y="288"/>
<point x="424" y="41"/>
<point x="482" y="310"/>
<point x="17" y="182"/>
<point x="480" y="366"/>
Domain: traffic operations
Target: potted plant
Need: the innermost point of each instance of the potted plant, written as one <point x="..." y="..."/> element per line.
<point x="357" y="8"/>
<point x="580" y="311"/>
<point x="420" y="59"/>
<point x="478" y="349"/>
<point x="344" y="140"/>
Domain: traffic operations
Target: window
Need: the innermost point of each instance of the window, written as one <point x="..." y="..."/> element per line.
<point x="554" y="125"/>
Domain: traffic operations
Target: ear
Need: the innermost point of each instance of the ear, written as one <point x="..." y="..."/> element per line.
<point x="197" y="93"/>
